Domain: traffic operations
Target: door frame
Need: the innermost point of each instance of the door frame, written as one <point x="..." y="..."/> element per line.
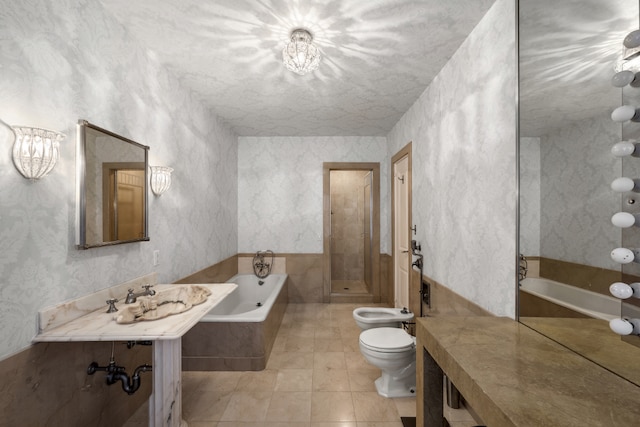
<point x="327" y="167"/>
<point x="404" y="151"/>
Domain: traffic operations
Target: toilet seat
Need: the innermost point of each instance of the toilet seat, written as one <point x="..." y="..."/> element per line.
<point x="387" y="340"/>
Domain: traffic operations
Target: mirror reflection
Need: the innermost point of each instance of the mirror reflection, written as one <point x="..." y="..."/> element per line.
<point x="112" y="188"/>
<point x="568" y="53"/>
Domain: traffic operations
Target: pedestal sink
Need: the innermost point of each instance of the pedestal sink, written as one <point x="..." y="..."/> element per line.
<point x="80" y="320"/>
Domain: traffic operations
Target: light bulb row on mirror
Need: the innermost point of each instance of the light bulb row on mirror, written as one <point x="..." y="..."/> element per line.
<point x="629" y="148"/>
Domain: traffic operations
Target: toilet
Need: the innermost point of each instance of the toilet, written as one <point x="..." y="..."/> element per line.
<point x="386" y="345"/>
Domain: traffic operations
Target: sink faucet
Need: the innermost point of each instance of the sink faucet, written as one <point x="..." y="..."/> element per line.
<point x="131" y="297"/>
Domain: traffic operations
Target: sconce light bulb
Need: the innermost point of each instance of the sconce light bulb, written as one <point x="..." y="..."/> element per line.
<point x="623" y="113"/>
<point x="622" y="185"/>
<point x="621" y="326"/>
<point x="632" y="40"/>
<point x="622" y="255"/>
<point x="621" y="290"/>
<point x="623" y="78"/>
<point x="623" y="219"/>
<point x="623" y="148"/>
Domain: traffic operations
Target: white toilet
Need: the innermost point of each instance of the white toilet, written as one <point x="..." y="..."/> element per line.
<point x="384" y="344"/>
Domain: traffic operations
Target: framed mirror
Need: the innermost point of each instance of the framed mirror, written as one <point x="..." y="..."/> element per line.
<point x="112" y="202"/>
<point x="568" y="53"/>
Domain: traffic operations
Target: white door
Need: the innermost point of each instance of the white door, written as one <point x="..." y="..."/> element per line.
<point x="402" y="244"/>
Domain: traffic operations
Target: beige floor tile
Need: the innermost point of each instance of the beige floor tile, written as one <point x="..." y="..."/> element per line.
<point x="370" y="406"/>
<point x="299" y="344"/>
<point x="328" y="344"/>
<point x="205" y="406"/>
<point x="406" y="406"/>
<point x="355" y="360"/>
<point x="290" y="406"/>
<point x="328" y="332"/>
<point x="294" y="380"/>
<point x="329" y="360"/>
<point x="260" y="424"/>
<point x="332" y="406"/>
<point x="330" y="380"/>
<point x="286" y="360"/>
<point x="257" y="380"/>
<point x="335" y="424"/>
<point x="362" y="379"/>
<point x="375" y="424"/>
<point x="219" y="381"/>
<point x="247" y="406"/>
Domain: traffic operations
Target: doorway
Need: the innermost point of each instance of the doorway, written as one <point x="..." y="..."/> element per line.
<point x="351" y="232"/>
<point x="401" y="225"/>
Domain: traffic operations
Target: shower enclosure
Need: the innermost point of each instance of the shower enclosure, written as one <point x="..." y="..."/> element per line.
<point x="352" y="233"/>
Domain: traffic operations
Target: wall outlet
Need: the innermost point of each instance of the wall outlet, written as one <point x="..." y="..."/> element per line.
<point x="156" y="256"/>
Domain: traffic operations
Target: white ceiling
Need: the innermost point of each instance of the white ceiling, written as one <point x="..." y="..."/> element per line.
<point x="378" y="56"/>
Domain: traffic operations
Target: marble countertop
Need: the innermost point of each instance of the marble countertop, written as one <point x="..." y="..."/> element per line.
<point x="98" y="325"/>
<point x="514" y="376"/>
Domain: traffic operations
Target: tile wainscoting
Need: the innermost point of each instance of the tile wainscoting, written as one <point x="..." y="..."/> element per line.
<point x="47" y="385"/>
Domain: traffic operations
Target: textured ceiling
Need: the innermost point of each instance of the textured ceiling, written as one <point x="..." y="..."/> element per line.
<point x="378" y="56"/>
<point x="568" y="51"/>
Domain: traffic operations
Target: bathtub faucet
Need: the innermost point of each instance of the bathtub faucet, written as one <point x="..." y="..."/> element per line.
<point x="522" y="268"/>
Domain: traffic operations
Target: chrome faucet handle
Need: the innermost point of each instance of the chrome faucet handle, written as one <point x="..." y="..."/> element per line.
<point x="112" y="305"/>
<point x="148" y="290"/>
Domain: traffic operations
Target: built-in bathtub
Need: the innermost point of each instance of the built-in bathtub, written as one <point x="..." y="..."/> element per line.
<point x="238" y="334"/>
<point x="541" y="297"/>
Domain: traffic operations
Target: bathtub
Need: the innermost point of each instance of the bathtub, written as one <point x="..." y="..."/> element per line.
<point x="238" y="334"/>
<point x="561" y="299"/>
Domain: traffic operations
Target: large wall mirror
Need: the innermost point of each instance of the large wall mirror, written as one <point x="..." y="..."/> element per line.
<point x="569" y="51"/>
<point x="112" y="188"/>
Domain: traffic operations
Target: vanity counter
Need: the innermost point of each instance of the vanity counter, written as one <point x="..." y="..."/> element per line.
<point x="514" y="376"/>
<point x="98" y="325"/>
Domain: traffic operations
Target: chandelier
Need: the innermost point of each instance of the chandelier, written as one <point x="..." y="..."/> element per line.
<point x="300" y="55"/>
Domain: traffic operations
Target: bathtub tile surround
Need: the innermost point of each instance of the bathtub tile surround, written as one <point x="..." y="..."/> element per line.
<point x="223" y="341"/>
<point x="245" y="264"/>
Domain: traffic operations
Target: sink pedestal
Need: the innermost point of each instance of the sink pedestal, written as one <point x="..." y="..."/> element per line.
<point x="165" y="403"/>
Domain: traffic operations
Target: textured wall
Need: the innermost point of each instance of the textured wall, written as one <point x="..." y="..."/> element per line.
<point x="280" y="189"/>
<point x="62" y="61"/>
<point x="464" y="174"/>
<point x="530" y="196"/>
<point x="576" y="200"/>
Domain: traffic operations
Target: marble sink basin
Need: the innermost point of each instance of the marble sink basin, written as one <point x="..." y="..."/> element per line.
<point x="167" y="302"/>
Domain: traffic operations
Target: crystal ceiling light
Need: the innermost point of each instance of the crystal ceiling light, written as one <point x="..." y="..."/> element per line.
<point x="300" y="55"/>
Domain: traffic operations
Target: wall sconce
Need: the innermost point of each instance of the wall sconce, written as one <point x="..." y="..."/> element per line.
<point x="35" y="151"/>
<point x="160" y="179"/>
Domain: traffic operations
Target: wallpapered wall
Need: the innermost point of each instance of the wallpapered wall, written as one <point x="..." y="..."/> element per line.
<point x="64" y="61"/>
<point x="464" y="165"/>
<point x="530" y="196"/>
<point x="280" y="189"/>
<point x="577" y="202"/>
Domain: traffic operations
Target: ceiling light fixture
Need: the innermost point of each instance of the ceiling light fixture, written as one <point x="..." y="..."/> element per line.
<point x="300" y="55"/>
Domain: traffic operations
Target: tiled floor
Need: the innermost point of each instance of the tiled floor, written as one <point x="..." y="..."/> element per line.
<point x="315" y="377"/>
